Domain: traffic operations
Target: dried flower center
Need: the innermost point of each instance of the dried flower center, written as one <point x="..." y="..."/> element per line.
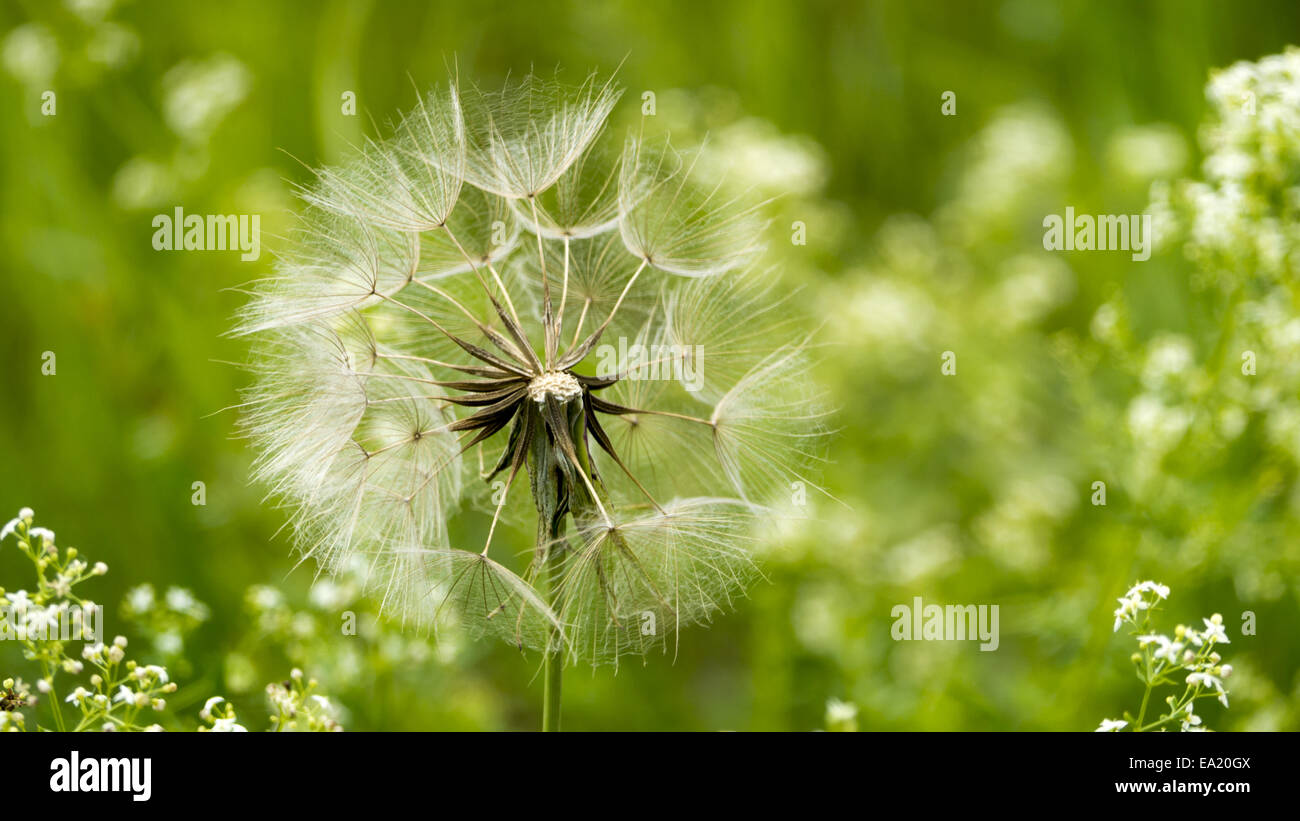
<point x="559" y="384"/>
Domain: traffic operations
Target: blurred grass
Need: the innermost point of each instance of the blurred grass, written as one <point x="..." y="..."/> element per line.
<point x="107" y="450"/>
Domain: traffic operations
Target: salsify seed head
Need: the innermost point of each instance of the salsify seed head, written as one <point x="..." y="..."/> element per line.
<point x="505" y="313"/>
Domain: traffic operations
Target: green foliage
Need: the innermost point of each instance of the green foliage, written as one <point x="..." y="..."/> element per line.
<point x="62" y="635"/>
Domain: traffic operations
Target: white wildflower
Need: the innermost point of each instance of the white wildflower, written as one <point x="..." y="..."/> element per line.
<point x="227" y="725"/>
<point x="1168" y="650"/>
<point x="45" y="535"/>
<point x="1207" y="680"/>
<point x="206" y="712"/>
<point x="1214" y="630"/>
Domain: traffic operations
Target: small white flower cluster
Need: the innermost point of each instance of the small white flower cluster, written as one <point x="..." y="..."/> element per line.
<point x="298" y="708"/>
<point x="1163" y="660"/>
<point x="1246" y="205"/>
<point x="295" y="708"/>
<point x="222" y="719"/>
<point x="51" y="604"/>
<point x="1238" y="223"/>
<point x="1136" y="600"/>
<point x="119" y="689"/>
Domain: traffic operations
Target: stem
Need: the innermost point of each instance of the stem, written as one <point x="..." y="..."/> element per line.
<point x="1143" y="710"/>
<point x="553" y="491"/>
<point x="548" y="317"/>
<point x="554" y="659"/>
<point x="551" y="707"/>
<point x="623" y="295"/>
<point x="577" y="332"/>
<point x="509" y="305"/>
<point x="1146" y="696"/>
<point x="53" y="697"/>
<point x="564" y="293"/>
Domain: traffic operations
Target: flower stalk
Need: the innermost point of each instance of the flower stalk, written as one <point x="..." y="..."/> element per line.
<point x="1188" y="657"/>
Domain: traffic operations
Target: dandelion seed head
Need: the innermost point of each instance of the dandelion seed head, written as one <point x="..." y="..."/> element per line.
<point x="502" y="300"/>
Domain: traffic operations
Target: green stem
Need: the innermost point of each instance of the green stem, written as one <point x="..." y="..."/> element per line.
<point x="1143" y="711"/>
<point x="551" y="693"/>
<point x="53" y="697"/>
<point x="554" y="489"/>
<point x="551" y="708"/>
<point x="1146" y="665"/>
<point x="554" y="672"/>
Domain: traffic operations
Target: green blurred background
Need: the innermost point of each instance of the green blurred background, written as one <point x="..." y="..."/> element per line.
<point x="924" y="235"/>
